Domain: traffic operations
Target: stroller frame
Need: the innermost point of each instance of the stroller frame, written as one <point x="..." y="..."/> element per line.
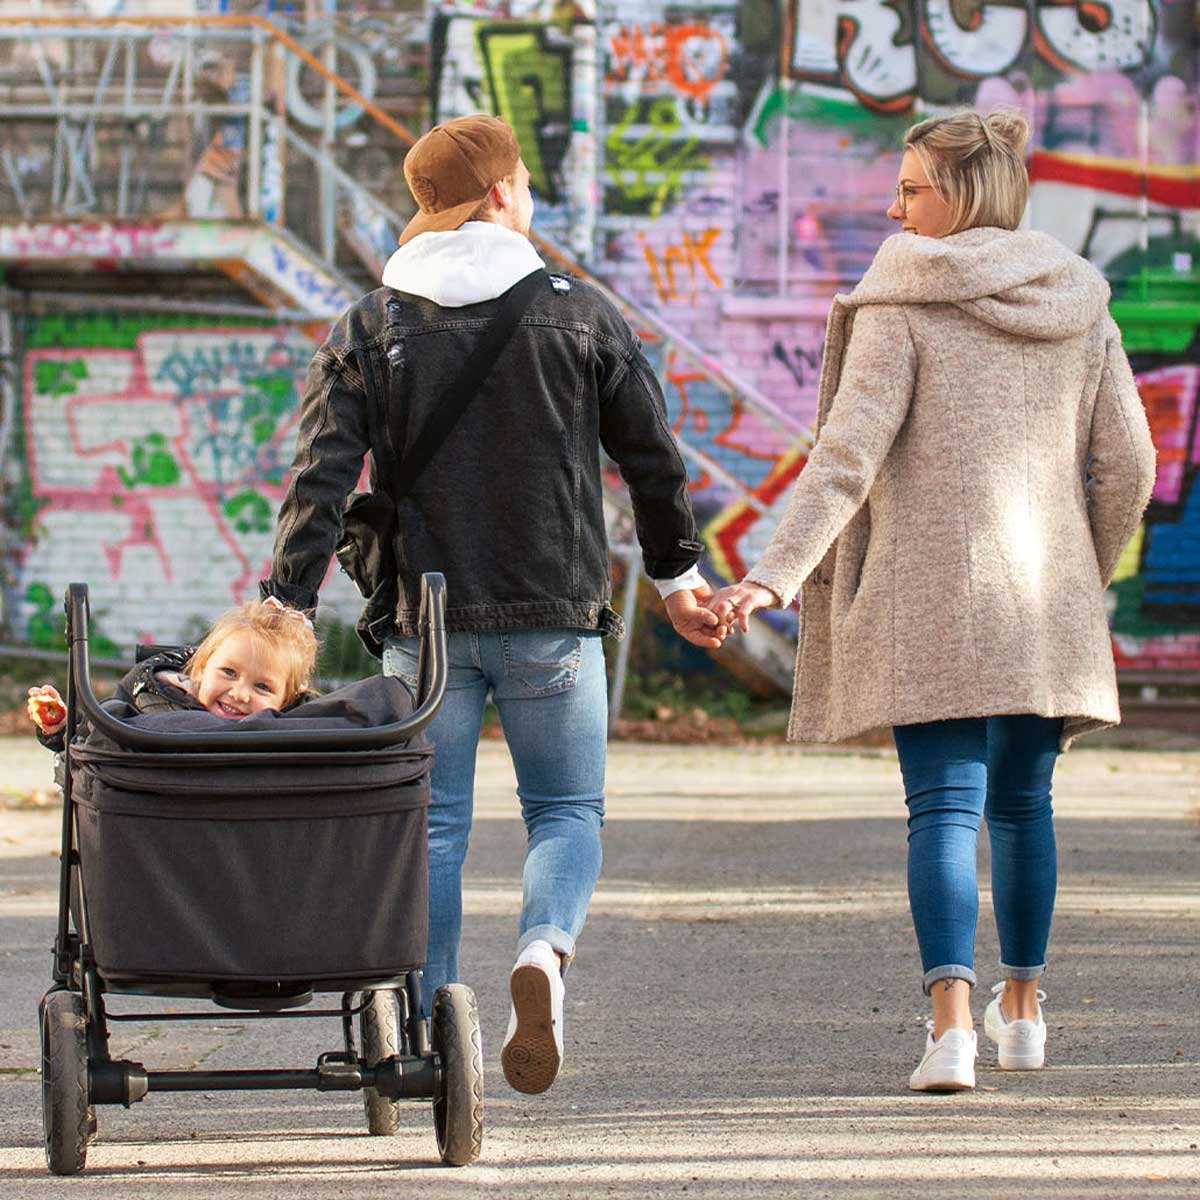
<point x="404" y="1055"/>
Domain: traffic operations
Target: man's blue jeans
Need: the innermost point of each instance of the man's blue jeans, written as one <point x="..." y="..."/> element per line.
<point x="956" y="772"/>
<point x="550" y="689"/>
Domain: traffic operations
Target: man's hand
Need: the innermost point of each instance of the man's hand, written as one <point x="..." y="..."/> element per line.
<point x="46" y="709"/>
<point x="694" y="621"/>
<point x="739" y="601"/>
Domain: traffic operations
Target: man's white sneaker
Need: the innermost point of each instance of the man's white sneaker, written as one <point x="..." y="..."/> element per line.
<point x="533" y="1048"/>
<point x="948" y="1064"/>
<point x="1021" y="1044"/>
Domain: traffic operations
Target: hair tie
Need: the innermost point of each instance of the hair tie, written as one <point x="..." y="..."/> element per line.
<point x="275" y="602"/>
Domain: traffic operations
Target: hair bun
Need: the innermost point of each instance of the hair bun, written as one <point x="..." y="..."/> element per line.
<point x="1007" y="125"/>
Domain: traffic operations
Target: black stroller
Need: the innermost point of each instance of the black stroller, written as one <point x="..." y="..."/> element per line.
<point x="253" y="868"/>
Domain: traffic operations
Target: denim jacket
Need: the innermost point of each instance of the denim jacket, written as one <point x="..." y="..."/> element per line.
<point x="510" y="508"/>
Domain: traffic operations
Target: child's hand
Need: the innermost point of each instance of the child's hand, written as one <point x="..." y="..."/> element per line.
<point x="46" y="709"/>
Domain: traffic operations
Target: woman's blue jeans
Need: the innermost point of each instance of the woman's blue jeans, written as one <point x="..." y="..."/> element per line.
<point x="956" y="772"/>
<point x="550" y="689"/>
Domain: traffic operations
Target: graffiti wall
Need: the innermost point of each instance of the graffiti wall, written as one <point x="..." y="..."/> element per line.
<point x="1156" y="597"/>
<point x="744" y="156"/>
<point x="726" y="167"/>
<point x="148" y="458"/>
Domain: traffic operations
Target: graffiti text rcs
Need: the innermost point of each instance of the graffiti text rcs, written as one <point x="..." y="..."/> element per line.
<point x="874" y="47"/>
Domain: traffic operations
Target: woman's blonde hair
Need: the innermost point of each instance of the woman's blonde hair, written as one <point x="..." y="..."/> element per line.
<point x="286" y="632"/>
<point x="976" y="164"/>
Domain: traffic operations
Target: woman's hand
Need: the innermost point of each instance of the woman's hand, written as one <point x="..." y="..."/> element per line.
<point x="738" y="603"/>
<point x="46" y="709"/>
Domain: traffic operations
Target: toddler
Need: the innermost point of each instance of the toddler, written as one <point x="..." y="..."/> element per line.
<point x="259" y="655"/>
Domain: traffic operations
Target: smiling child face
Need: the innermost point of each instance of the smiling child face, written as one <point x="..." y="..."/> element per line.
<point x="241" y="677"/>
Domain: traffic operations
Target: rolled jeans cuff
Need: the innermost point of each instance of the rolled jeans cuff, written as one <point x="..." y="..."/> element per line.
<point x="561" y="942"/>
<point x="1022" y="972"/>
<point x="950" y="971"/>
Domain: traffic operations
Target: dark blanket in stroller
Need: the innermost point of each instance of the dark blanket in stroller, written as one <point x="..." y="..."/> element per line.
<point x="245" y="866"/>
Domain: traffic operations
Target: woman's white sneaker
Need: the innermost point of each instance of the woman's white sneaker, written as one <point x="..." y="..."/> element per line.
<point x="1021" y="1044"/>
<point x="948" y="1064"/>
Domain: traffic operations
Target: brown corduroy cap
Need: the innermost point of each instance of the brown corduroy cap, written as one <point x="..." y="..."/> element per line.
<point x="451" y="168"/>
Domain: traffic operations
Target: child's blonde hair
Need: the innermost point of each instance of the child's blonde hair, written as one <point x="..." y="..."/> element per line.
<point x="286" y="631"/>
<point x="976" y="164"/>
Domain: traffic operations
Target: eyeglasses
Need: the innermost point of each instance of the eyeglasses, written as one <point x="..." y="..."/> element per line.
<point x="906" y="191"/>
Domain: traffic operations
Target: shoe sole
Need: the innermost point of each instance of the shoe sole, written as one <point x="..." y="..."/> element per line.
<point x="1021" y="1062"/>
<point x="942" y="1085"/>
<point x="531" y="1058"/>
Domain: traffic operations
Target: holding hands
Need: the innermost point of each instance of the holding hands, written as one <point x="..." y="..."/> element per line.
<point x="705" y="618"/>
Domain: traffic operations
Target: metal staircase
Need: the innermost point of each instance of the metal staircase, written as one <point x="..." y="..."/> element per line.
<point x="168" y="144"/>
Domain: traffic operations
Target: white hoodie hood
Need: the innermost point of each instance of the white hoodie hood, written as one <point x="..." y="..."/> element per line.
<point x="476" y="262"/>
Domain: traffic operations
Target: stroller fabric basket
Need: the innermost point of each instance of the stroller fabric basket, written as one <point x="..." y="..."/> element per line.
<point x="227" y="867"/>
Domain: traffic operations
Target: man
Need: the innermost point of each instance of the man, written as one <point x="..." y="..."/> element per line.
<point x="510" y="509"/>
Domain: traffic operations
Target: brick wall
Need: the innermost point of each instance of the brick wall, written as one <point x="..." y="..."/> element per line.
<point x="147" y="457"/>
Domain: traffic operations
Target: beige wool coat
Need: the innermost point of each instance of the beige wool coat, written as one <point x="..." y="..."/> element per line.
<point x="982" y="458"/>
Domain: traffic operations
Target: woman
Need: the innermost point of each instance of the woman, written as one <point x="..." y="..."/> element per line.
<point x="982" y="460"/>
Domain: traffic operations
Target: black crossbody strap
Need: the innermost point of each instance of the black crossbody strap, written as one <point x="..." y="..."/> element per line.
<point x="453" y="401"/>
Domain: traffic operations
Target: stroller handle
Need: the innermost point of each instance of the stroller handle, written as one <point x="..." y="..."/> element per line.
<point x="434" y="669"/>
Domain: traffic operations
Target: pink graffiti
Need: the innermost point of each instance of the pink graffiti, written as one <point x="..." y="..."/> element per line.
<point x="183" y="425"/>
<point x="99" y="239"/>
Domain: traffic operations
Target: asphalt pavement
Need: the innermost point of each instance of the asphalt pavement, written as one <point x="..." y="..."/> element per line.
<point x="741" y="1020"/>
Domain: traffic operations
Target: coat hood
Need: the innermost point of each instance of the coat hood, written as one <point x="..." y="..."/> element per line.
<point x="476" y="262"/>
<point x="1021" y="281"/>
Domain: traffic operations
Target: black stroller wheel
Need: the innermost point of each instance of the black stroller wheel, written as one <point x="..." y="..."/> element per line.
<point x="68" y="1121"/>
<point x="458" y="1094"/>
<point x="380" y="1026"/>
